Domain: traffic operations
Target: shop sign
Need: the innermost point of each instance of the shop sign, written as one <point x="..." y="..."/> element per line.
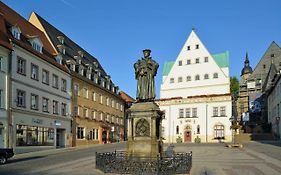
<point x="57" y="123"/>
<point x="37" y="121"/>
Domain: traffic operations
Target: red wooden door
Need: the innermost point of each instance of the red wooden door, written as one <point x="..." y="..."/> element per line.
<point x="187" y="136"/>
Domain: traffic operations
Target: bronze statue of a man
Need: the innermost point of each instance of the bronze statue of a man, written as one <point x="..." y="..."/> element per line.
<point x="145" y="70"/>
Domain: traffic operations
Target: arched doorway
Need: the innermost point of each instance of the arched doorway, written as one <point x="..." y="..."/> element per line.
<point x="187" y="133"/>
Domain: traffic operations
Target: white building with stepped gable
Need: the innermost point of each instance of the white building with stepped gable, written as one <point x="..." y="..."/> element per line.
<point x="195" y="95"/>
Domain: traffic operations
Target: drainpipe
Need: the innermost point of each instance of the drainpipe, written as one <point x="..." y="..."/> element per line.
<point x="9" y="104"/>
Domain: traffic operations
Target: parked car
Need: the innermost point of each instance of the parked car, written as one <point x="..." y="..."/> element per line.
<point x="5" y="154"/>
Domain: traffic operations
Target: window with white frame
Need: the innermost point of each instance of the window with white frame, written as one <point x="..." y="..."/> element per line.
<point x="215" y="111"/>
<point x="222" y="111"/>
<point x="172" y="80"/>
<point x="198" y="129"/>
<point x="197" y="46"/>
<point x="187" y="112"/>
<point x="63" y="109"/>
<point x="121" y="107"/>
<point x="107" y="101"/>
<point x="177" y="129"/>
<point x="55" y="81"/>
<point x="45" y="104"/>
<point x="188" y="47"/>
<point x="197" y="61"/>
<point x="188" y="62"/>
<point x="1" y="98"/>
<point x="21" y="98"/>
<point x="34" y="71"/>
<point x="63" y="85"/>
<point x="34" y="102"/>
<point x="93" y="114"/>
<point x="76" y="89"/>
<point x="181" y="112"/>
<point x="101" y="99"/>
<point x="36" y="46"/>
<point x="188" y="78"/>
<point x="21" y="66"/>
<point x="16" y="32"/>
<point x="80" y="132"/>
<point x="194" y="112"/>
<point x="112" y="103"/>
<point x="197" y="77"/>
<point x="45" y="76"/>
<point x="219" y="130"/>
<point x="94" y="98"/>
<point x="55" y="107"/>
<point x="85" y="93"/>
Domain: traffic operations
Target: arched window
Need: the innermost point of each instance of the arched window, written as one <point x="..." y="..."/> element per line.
<point x="177" y="129"/>
<point x="197" y="77"/>
<point x="206" y="76"/>
<point x="219" y="130"/>
<point x="188" y="78"/>
<point x="216" y="75"/>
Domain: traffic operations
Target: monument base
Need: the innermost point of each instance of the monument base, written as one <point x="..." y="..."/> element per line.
<point x="144" y="130"/>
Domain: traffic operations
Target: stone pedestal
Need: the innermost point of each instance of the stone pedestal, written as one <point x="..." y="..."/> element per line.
<point x="144" y="130"/>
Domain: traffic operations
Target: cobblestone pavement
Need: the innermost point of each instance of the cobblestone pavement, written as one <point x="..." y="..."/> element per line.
<point x="220" y="160"/>
<point x="208" y="159"/>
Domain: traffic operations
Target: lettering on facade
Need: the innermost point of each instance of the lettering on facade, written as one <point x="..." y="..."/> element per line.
<point x="37" y="121"/>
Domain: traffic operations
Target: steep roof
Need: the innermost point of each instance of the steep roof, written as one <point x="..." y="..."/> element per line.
<point x="271" y="56"/>
<point x="71" y="48"/>
<point x="126" y="97"/>
<point x="222" y="60"/>
<point x="11" y="18"/>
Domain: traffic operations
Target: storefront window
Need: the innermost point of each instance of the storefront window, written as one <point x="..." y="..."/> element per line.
<point x="34" y="136"/>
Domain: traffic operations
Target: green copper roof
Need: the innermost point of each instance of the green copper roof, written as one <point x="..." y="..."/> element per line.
<point x="222" y="59"/>
<point x="167" y="67"/>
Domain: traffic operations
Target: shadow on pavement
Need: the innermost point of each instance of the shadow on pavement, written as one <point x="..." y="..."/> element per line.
<point x="24" y="159"/>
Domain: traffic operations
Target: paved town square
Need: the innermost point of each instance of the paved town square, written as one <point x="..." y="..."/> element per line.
<point x="208" y="159"/>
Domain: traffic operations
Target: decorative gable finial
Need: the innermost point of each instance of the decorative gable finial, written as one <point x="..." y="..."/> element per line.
<point x="193" y="28"/>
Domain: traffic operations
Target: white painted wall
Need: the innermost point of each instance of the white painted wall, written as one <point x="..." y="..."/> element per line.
<point x="203" y="86"/>
<point x="4" y="54"/>
<point x="29" y="85"/>
<point x="220" y="85"/>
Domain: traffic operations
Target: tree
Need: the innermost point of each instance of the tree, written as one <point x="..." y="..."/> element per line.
<point x="234" y="84"/>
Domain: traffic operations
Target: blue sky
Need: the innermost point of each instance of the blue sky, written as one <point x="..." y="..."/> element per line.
<point x="116" y="32"/>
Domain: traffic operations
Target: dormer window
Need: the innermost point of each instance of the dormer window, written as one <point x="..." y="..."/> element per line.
<point x="36" y="44"/>
<point x="80" y="53"/>
<point x="16" y="32"/>
<point x="61" y="39"/>
<point x="81" y="70"/>
<point x="61" y="49"/>
<point x="59" y="59"/>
